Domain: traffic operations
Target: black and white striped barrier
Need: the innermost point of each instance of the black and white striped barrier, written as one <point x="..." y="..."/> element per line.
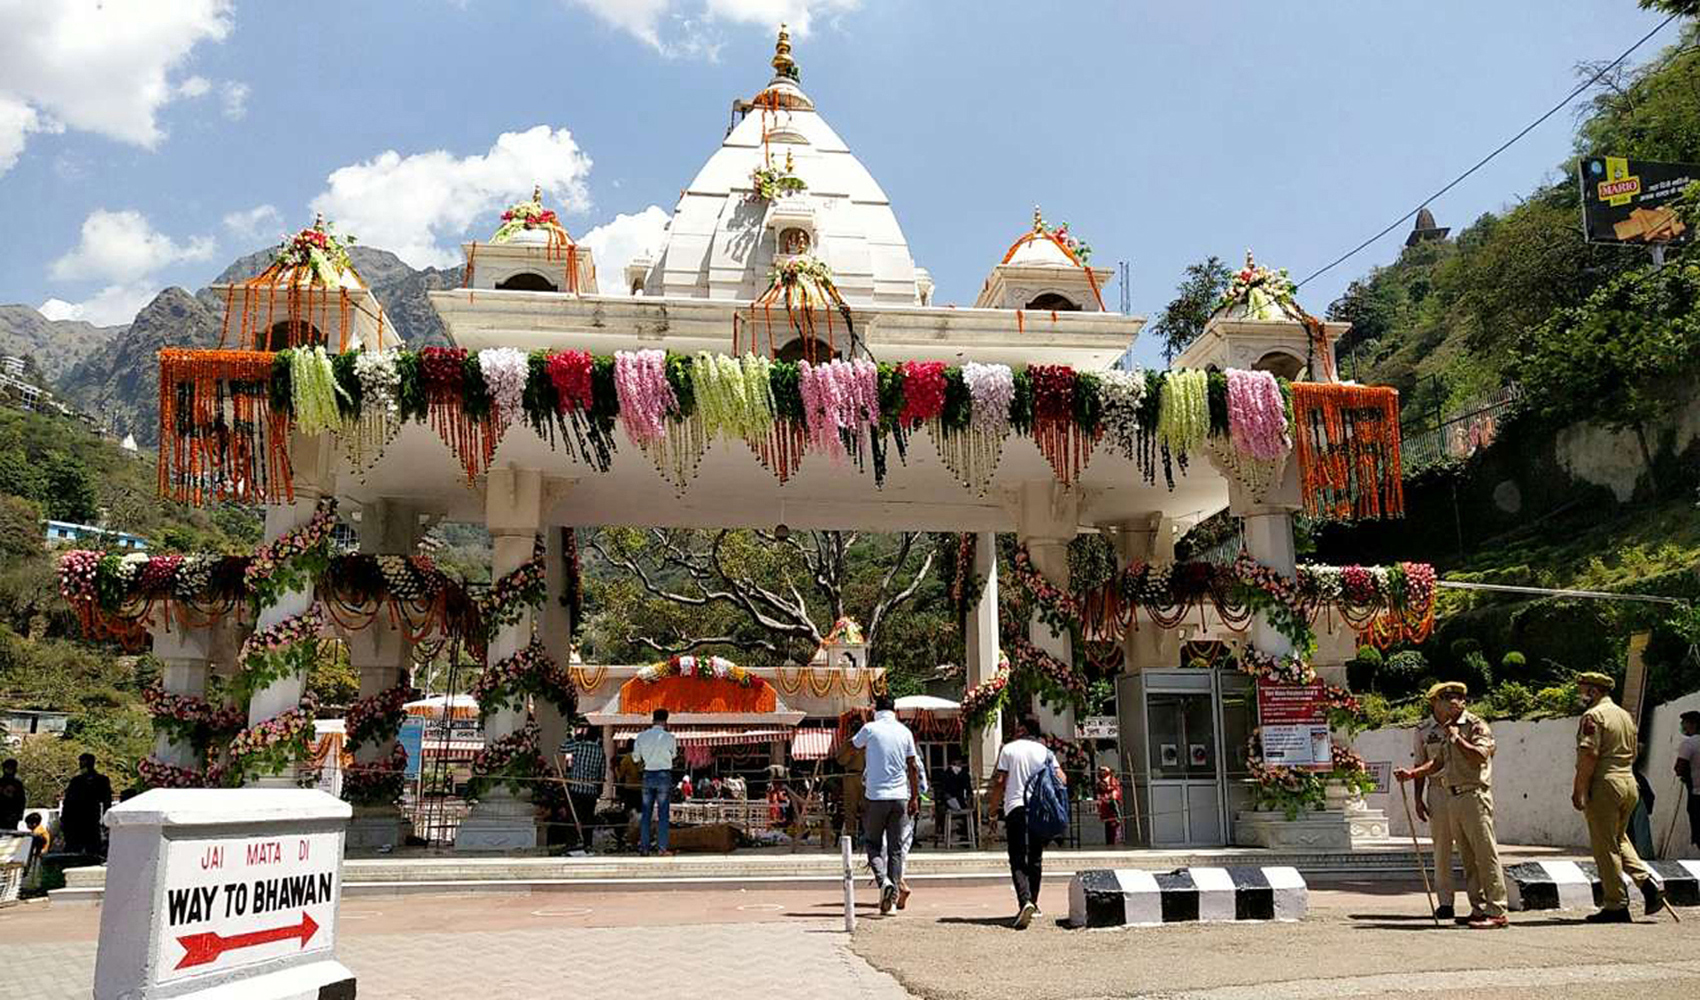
<point x="1125" y="897"/>
<point x="1572" y="885"/>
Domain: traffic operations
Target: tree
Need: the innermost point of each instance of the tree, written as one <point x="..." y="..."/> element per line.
<point x="20" y="528"/>
<point x="740" y="589"/>
<point x="70" y="492"/>
<point x="1195" y="299"/>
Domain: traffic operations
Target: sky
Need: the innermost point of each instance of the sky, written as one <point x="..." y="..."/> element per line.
<point x="145" y="144"/>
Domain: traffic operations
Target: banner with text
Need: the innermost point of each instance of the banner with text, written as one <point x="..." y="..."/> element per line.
<point x="1293" y="719"/>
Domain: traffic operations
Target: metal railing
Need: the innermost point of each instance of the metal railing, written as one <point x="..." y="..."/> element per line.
<point x="1457" y="435"/>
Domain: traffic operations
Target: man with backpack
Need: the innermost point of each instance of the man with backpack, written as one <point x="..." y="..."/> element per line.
<point x="1031" y="791"/>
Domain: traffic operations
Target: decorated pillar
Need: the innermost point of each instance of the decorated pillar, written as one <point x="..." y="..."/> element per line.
<point x="1047" y="522"/>
<point x="273" y="663"/>
<point x="555" y="627"/>
<point x="984" y="655"/>
<point x="183" y="715"/>
<point x="507" y="773"/>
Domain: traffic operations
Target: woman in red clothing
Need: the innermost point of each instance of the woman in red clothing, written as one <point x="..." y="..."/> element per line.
<point x="1110" y="804"/>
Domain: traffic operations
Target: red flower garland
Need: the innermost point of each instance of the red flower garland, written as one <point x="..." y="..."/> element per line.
<point x="1059" y="438"/>
<point x="923" y="392"/>
<point x="570" y="371"/>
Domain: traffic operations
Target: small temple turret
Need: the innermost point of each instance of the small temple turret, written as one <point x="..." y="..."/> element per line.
<point x="530" y="252"/>
<point x="1045" y="268"/>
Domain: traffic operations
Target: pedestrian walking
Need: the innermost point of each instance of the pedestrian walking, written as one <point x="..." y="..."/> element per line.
<point x="654" y="749"/>
<point x="1018" y="762"/>
<point x="1686" y="752"/>
<point x="87" y="797"/>
<point x="854" y="760"/>
<point x="1465" y="767"/>
<point x="1110" y="804"/>
<point x="1604" y="792"/>
<point x="891" y="782"/>
<point x="1433" y="808"/>
<point x="587" y="767"/>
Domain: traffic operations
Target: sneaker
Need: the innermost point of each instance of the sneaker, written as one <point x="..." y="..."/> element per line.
<point x="1473" y="916"/>
<point x="1609" y="917"/>
<point x="1487" y="923"/>
<point x="1025" y="917"/>
<point x="903" y="894"/>
<point x="888" y="899"/>
<point x="1443" y="913"/>
<point x="1654" y="897"/>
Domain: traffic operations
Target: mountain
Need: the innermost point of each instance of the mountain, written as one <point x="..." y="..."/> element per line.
<point x="55" y="345"/>
<point x="117" y="378"/>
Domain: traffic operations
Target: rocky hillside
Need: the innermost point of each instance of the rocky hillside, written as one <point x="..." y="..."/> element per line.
<point x="54" y="345"/>
<point x="117" y="379"/>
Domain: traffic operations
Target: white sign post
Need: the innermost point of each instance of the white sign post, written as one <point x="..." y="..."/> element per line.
<point x="214" y="893"/>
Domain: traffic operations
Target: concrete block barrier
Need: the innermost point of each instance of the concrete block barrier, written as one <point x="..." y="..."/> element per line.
<point x="1131" y="897"/>
<point x="1575" y="885"/>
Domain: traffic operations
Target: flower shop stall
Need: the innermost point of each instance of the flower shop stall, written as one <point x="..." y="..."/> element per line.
<point x="781" y="362"/>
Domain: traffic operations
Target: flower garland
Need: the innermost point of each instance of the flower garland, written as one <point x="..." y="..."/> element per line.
<point x="191" y="720"/>
<point x="530" y="671"/>
<point x="769" y="183"/>
<point x="377" y="416"/>
<point x="982" y="701"/>
<point x="972" y="451"/>
<point x="378" y="718"/>
<point x="524" y="215"/>
<point x="701" y="667"/>
<point x="318" y="250"/>
<point x="1121" y="393"/>
<point x="513" y="762"/>
<point x="1265" y="294"/>
<point x="275" y="745"/>
<point x="158" y="774"/>
<point x="286" y="649"/>
<point x="840" y="405"/>
<point x="1257" y="415"/>
<point x="1348" y="450"/>
<point x="291" y="560"/>
<point x="646" y="397"/>
<point x="1289" y="668"/>
<point x="377" y="782"/>
<point x="514" y="594"/>
<point x="505" y="372"/>
<point x="314" y="390"/>
<point x="1061" y="437"/>
<point x="560" y="392"/>
<point x="1183" y="416"/>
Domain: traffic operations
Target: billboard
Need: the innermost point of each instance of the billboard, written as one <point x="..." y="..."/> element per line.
<point x="1633" y="201"/>
<point x="1293" y="722"/>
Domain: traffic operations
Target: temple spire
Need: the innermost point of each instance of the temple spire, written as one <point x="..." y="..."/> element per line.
<point x="783" y="64"/>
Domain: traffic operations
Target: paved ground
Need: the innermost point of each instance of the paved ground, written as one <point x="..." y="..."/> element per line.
<point x="1369" y="941"/>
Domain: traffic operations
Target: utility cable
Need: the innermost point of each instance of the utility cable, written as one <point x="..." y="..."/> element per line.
<point x="1507" y="144"/>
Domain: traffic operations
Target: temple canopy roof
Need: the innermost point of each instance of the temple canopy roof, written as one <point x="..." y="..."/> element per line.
<point x="722" y="244"/>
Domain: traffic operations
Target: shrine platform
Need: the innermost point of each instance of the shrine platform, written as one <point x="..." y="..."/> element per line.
<point x="424" y="871"/>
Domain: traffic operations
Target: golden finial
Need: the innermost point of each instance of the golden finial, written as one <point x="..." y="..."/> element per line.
<point x="537" y="193"/>
<point x="790" y="166"/>
<point x="783" y="64"/>
<point x="1249" y="262"/>
<point x="1038" y="220"/>
<point x="318" y="220"/>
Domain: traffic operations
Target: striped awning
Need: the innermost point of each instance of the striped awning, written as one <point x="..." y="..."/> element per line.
<point x="812" y="744"/>
<point x="454" y="750"/>
<point x="711" y="736"/>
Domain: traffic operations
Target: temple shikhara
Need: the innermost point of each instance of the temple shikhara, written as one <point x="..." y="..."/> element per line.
<point x="779" y="359"/>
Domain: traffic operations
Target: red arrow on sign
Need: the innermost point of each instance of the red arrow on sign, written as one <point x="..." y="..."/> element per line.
<point x="199" y="949"/>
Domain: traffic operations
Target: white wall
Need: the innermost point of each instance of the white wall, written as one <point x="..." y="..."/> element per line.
<point x="1532" y="771"/>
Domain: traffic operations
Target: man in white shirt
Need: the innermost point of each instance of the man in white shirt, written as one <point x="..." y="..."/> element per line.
<point x="1019" y="760"/>
<point x="654" y="749"/>
<point x="892" y="787"/>
<point x="1686" y="755"/>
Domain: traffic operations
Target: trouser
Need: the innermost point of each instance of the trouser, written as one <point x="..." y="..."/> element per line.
<point x="584" y="814"/>
<point x="657" y="795"/>
<point x="1440" y="832"/>
<point x="1694" y="819"/>
<point x="885" y="829"/>
<point x="1026" y="856"/>
<point x="1611" y="801"/>
<point x="1470" y="819"/>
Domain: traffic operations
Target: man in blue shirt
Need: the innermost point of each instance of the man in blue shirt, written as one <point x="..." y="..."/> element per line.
<point x="655" y="749"/>
<point x="892" y="787"/>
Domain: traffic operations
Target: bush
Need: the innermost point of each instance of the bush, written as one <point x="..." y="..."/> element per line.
<point x="1475" y="672"/>
<point x="1402" y="671"/>
<point x="1362" y="672"/>
<point x="1557" y="701"/>
<point x="1510" y="700"/>
<point x="1512" y="663"/>
<point x="1369" y="655"/>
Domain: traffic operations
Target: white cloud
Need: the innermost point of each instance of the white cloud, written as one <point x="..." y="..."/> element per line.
<point x="111" y="306"/>
<point x="616" y="243"/>
<point x="413" y="205"/>
<point x="254" y="223"/>
<point x="121" y="247"/>
<point x="233" y="98"/>
<point x="691" y="25"/>
<point x="98" y="66"/>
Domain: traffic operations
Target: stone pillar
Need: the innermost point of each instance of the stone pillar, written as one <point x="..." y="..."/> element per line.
<point x="982" y="660"/>
<point x="1047" y="521"/>
<point x="284" y="694"/>
<point x="381" y="655"/>
<point x="513" y="502"/>
<point x="186" y="665"/>
<point x="555" y="629"/>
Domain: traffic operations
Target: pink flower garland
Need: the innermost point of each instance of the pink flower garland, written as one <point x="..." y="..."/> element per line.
<point x="1257" y="415"/>
<point x="840" y="403"/>
<point x="77" y="570"/>
<point x="646" y="397"/>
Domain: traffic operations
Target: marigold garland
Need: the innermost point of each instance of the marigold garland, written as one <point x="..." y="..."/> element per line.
<point x="1348" y="450"/>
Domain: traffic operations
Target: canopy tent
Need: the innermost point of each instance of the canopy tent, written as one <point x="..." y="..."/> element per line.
<point x="611" y="714"/>
<point x="925" y="703"/>
<point x="459" y="706"/>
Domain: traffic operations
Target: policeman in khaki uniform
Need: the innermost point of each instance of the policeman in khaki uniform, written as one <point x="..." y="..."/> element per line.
<point x="1433" y="809"/>
<point x="1465" y="768"/>
<point x="1605" y="793"/>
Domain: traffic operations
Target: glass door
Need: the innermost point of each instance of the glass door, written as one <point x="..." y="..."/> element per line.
<point x="1183" y="753"/>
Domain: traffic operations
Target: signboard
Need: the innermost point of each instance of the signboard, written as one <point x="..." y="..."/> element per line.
<point x="1633" y="201"/>
<point x="1293" y="719"/>
<point x="1381" y="772"/>
<point x="239" y="901"/>
<point x="412" y="738"/>
<point x="1096" y="727"/>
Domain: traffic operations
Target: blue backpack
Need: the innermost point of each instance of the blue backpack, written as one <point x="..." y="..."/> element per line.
<point x="1046" y="801"/>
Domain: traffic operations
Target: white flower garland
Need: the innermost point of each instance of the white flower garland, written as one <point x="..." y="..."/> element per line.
<point x="505" y="370"/>
<point x="973" y="454"/>
<point x="1121" y="393"/>
<point x="366" y="436"/>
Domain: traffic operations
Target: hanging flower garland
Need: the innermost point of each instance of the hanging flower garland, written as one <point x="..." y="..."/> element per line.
<point x="1183" y="418"/>
<point x="971" y="450"/>
<point x="377" y="416"/>
<point x="187" y="719"/>
<point x="377" y="782"/>
<point x="378" y="718"/>
<point x="1257" y="411"/>
<point x="840" y="405"/>
<point x="275" y="745"/>
<point x="1289" y="668"/>
<point x="158" y="774"/>
<point x="1121" y="393"/>
<point x="529" y="672"/>
<point x="505" y="371"/>
<point x="982" y="701"/>
<point x="286" y="649"/>
<point x="314" y="390"/>
<point x="560" y="394"/>
<point x="1056" y="681"/>
<point x="646" y="397"/>
<point x="1064" y="441"/>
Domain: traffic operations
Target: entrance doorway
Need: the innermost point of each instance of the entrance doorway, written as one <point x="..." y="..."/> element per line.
<point x="1173" y="742"/>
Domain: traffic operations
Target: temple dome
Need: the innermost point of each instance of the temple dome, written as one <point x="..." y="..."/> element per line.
<point x="723" y="240"/>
